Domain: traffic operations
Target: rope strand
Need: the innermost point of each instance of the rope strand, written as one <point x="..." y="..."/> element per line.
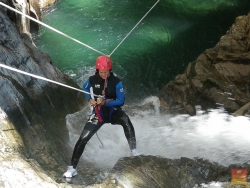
<point x="133" y="28"/>
<point x="42" y="78"/>
<point x="53" y="29"/>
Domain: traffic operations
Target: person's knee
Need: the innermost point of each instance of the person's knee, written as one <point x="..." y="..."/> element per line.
<point x="88" y="131"/>
<point x="84" y="138"/>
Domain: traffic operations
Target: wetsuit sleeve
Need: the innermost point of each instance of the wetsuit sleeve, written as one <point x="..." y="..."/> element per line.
<point x="86" y="87"/>
<point x="120" y="96"/>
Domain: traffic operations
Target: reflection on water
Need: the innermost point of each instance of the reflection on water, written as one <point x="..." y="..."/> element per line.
<point x="171" y="35"/>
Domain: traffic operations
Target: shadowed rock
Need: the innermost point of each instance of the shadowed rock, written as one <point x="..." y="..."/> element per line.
<point x="220" y="77"/>
<point x="36" y="108"/>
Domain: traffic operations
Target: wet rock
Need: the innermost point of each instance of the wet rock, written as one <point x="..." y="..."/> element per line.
<point x="36" y="108"/>
<point x="157" y="172"/>
<point x="32" y="8"/>
<point x="218" y="78"/>
<point x="15" y="169"/>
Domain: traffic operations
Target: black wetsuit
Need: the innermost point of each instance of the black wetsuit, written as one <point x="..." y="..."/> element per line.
<point x="111" y="112"/>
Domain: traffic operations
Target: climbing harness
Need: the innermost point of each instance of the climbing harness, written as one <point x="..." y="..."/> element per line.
<point x="65" y="35"/>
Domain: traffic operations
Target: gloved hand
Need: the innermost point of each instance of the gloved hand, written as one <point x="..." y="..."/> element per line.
<point x="100" y="101"/>
<point x="92" y="102"/>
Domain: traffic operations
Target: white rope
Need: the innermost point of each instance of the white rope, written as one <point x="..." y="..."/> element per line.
<point x="61" y="33"/>
<point x="42" y="78"/>
<point x="133" y="28"/>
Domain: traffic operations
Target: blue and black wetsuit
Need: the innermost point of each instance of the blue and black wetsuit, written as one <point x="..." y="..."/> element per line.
<point x="110" y="112"/>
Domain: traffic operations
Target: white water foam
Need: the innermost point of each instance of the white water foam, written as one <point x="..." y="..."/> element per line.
<point x="215" y="135"/>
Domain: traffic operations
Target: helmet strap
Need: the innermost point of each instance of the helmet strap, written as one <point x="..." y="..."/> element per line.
<point x="105" y="86"/>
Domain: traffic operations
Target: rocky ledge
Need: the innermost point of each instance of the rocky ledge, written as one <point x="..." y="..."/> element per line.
<point x="219" y="77"/>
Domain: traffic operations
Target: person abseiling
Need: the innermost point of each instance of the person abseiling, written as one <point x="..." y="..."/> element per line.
<point x="107" y="109"/>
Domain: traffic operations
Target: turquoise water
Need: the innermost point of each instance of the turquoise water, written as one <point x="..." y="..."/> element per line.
<point x="173" y="34"/>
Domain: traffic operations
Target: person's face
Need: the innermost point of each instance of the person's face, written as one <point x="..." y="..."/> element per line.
<point x="104" y="73"/>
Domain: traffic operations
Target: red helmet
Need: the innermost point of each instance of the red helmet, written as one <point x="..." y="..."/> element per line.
<point x="103" y="63"/>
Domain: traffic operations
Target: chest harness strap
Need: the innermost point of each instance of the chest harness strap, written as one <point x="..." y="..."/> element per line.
<point x="98" y="111"/>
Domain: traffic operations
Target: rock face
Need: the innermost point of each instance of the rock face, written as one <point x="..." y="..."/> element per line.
<point x="220" y="76"/>
<point x="31" y="8"/>
<point x="36" y="108"/>
<point x="16" y="170"/>
<point x="34" y="137"/>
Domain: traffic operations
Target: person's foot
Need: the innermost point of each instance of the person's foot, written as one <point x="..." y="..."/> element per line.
<point x="134" y="152"/>
<point x="71" y="172"/>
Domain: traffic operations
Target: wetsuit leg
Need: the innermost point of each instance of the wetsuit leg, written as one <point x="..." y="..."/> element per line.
<point x="121" y="118"/>
<point x="88" y="131"/>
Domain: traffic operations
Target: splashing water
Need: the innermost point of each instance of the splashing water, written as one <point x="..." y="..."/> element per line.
<point x="215" y="135"/>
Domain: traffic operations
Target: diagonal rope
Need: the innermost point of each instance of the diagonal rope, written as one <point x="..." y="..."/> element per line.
<point x="46" y="79"/>
<point x="134" y="28"/>
<point x="53" y="29"/>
